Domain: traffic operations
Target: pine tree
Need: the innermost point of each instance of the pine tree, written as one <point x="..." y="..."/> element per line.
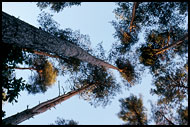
<point x="132" y="111"/>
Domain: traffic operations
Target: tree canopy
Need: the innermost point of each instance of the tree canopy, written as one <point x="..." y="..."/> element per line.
<point x="61" y="121"/>
<point x="148" y="36"/>
<point x="132" y="111"/>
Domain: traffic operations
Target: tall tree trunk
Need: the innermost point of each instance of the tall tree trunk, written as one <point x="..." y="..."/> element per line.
<point x="135" y="4"/>
<point x="24" y="35"/>
<point x="42" y="107"/>
<point x="172" y="45"/>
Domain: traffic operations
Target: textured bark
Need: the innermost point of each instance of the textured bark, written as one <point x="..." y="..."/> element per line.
<point x="42" y="107"/>
<point x="135" y="4"/>
<point x="172" y="45"/>
<point x="24" y="35"/>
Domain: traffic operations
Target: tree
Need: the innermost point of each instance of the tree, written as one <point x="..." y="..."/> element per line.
<point x="11" y="86"/>
<point x="56" y="6"/>
<point x="42" y="107"/>
<point x="171" y="87"/>
<point x="105" y="85"/>
<point x="149" y="54"/>
<point x="135" y="5"/>
<point x="45" y="76"/>
<point x="140" y="15"/>
<point x="45" y="79"/>
<point x="96" y="84"/>
<point x="42" y="41"/>
<point x="132" y="111"/>
<point x="165" y="40"/>
<point x="183" y="116"/>
<point x="61" y="121"/>
<point x="50" y="54"/>
<point x="147" y="14"/>
<point x="164" y="114"/>
<point x="127" y="70"/>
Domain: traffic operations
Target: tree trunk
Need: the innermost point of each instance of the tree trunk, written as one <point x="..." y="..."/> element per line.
<point x="23" y="68"/>
<point x="169" y="121"/>
<point x="28" y="68"/>
<point x="24" y="35"/>
<point x="42" y="107"/>
<point x="135" y="4"/>
<point x="172" y="45"/>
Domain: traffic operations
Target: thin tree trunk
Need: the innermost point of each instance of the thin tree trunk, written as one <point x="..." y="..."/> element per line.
<point x="135" y="4"/>
<point x="24" y="35"/>
<point x="42" y="107"/>
<point x="172" y="45"/>
<point x="26" y="68"/>
<point x="169" y="121"/>
<point x="23" y="68"/>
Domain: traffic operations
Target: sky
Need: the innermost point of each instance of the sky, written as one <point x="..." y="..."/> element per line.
<point x="93" y="19"/>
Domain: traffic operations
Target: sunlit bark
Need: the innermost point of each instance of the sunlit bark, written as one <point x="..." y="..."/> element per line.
<point x="135" y="4"/>
<point x="24" y="35"/>
<point x="42" y="107"/>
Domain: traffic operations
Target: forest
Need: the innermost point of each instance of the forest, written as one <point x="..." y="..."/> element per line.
<point x="149" y="36"/>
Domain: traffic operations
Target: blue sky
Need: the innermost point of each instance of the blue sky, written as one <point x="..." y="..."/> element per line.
<point x="90" y="18"/>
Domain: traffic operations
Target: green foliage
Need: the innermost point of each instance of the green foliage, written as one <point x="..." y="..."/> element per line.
<point x="127" y="69"/>
<point x="154" y="42"/>
<point x="158" y="47"/>
<point x="132" y="111"/>
<point x="183" y="116"/>
<point x="148" y="57"/>
<point x="61" y="121"/>
<point x="51" y="26"/>
<point x="160" y="13"/>
<point x="56" y="6"/>
<point x="148" y="14"/>
<point x="104" y="85"/>
<point x="126" y="39"/>
<point x="11" y="86"/>
<point x="172" y="87"/>
<point x="47" y="23"/>
<point x="164" y="114"/>
<point x="172" y="91"/>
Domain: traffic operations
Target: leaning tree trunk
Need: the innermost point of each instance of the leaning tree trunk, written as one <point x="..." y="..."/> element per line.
<point x="135" y="4"/>
<point x="40" y="108"/>
<point x="172" y="45"/>
<point x="24" y="35"/>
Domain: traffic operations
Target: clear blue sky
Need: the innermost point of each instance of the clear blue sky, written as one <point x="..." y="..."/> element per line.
<point x="90" y="18"/>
